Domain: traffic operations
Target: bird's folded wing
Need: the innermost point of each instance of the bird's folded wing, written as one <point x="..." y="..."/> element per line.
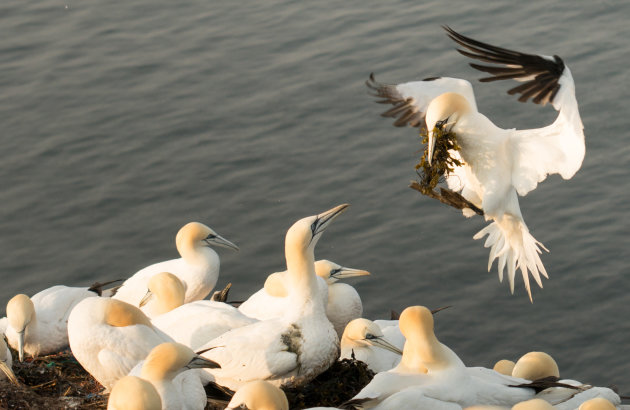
<point x="251" y="352"/>
<point x="410" y="100"/>
<point x="557" y="148"/>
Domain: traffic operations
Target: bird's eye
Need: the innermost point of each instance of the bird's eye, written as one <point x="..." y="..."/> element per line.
<point x="370" y="336"/>
<point x="211" y="236"/>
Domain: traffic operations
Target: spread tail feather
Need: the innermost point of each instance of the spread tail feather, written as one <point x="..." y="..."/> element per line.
<point x="511" y="243"/>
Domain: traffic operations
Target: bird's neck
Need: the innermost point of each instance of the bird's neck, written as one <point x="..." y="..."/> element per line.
<point x="195" y="253"/>
<point x="302" y="281"/>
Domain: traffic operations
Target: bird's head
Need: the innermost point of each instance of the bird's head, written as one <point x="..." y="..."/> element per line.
<point x="443" y="112"/>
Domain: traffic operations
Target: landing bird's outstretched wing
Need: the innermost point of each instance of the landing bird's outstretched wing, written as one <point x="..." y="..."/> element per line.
<point x="410" y="100"/>
<point x="535" y="153"/>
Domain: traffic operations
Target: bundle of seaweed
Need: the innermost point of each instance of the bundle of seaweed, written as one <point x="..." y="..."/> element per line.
<point x="443" y="163"/>
<point x="56" y="381"/>
<point x="342" y="381"/>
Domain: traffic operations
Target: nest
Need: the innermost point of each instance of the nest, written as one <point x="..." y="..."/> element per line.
<point x="59" y="382"/>
<point x="55" y="382"/>
<point x="341" y="382"/>
<point x="442" y="164"/>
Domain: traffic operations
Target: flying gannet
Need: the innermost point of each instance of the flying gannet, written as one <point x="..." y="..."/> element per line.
<point x="293" y="349"/>
<point x="498" y="164"/>
<point x="198" y="267"/>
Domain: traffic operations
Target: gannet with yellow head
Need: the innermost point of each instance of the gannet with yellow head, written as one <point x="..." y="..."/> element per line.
<point x="497" y="164"/>
<point x="198" y="266"/>
<point x="295" y="348"/>
<point x="109" y="337"/>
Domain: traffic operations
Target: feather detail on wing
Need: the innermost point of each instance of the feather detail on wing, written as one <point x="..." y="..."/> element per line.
<point x="410" y="100"/>
<point x="557" y="148"/>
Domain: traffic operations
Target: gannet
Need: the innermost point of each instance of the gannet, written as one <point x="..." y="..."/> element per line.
<point x="196" y="323"/>
<point x="170" y="368"/>
<point x="38" y="325"/>
<point x="343" y="302"/>
<point x="6" y="363"/>
<point x="504" y="367"/>
<point x="133" y="393"/>
<point x="108" y="337"/>
<point x="365" y="340"/>
<point x="258" y="395"/>
<point x="438" y="372"/>
<point x="198" y="267"/>
<point x="535" y="365"/>
<point x="498" y="164"/>
<point x="295" y="348"/>
<point x="165" y="292"/>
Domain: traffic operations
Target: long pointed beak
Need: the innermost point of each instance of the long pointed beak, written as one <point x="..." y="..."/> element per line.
<point x="325" y="218"/>
<point x="21" y="345"/>
<point x="218" y="240"/>
<point x="145" y="299"/>
<point x="199" y="362"/>
<point x="434" y="311"/>
<point x="344" y="272"/>
<point x="431" y="146"/>
<point x="384" y="344"/>
<point x="8" y="372"/>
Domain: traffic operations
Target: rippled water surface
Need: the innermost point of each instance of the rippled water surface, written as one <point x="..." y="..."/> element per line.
<point x="121" y="121"/>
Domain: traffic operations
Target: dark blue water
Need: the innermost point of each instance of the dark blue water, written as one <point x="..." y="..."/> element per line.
<point x="121" y="121"/>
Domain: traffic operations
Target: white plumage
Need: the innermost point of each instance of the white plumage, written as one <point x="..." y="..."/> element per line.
<point x="39" y="325"/>
<point x="498" y="164"/>
<point x="198" y="267"/>
<point x="172" y="369"/>
<point x="295" y="348"/>
<point x="196" y="323"/>
<point x="437" y="372"/>
<point x="343" y="302"/>
<point x="364" y="340"/>
<point x="109" y="337"/>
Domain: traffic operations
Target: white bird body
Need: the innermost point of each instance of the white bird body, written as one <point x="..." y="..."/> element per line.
<point x="437" y="372"/>
<point x="267" y="303"/>
<point x="291" y="350"/>
<point x="173" y="369"/>
<point x="391" y="331"/>
<point x="42" y="321"/>
<point x="196" y="323"/>
<point x="498" y="163"/>
<point x="342" y="301"/>
<point x="109" y="337"/>
<point x="198" y="267"/>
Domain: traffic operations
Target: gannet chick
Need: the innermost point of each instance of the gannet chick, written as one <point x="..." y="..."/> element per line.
<point x="259" y="395"/>
<point x="504" y="367"/>
<point x="38" y="325"/>
<point x="133" y="393"/>
<point x="166" y="368"/>
<point x="364" y="339"/>
<point x="6" y="363"/>
<point x="342" y="301"/>
<point x="597" y="403"/>
<point x="295" y="348"/>
<point x="109" y="337"/>
<point x="437" y="371"/>
<point x="497" y="165"/>
<point x="198" y="267"/>
<point x="535" y="365"/>
<point x="165" y="293"/>
<point x="196" y="323"/>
